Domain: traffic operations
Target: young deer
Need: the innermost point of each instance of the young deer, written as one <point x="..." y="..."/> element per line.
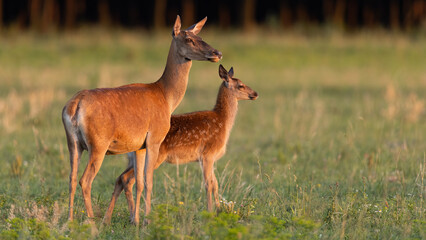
<point x="131" y="117"/>
<point x="196" y="136"/>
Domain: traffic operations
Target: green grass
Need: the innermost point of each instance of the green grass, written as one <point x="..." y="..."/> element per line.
<point x="334" y="148"/>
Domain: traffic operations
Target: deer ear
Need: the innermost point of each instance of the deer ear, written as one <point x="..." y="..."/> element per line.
<point x="231" y="72"/>
<point x="223" y="73"/>
<point x="176" y="27"/>
<point x="196" y="28"/>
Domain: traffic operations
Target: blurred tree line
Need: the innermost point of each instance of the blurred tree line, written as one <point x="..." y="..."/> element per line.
<point x="44" y="15"/>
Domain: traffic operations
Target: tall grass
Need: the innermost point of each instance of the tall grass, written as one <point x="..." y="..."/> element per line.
<point x="334" y="147"/>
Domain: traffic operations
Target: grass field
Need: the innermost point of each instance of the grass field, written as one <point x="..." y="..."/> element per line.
<point x="334" y="148"/>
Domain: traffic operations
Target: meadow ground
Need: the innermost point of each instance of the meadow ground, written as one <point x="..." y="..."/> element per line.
<point x="334" y="148"/>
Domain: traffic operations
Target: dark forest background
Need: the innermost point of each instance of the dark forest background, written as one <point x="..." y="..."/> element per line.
<point x="43" y="15"/>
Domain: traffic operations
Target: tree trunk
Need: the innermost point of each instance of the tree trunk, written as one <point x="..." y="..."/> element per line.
<point x="286" y="17"/>
<point x="302" y="14"/>
<point x="104" y="14"/>
<point x="328" y="9"/>
<point x="35" y="14"/>
<point x="407" y="15"/>
<point x="70" y="14"/>
<point x="48" y="15"/>
<point x="339" y="14"/>
<point x="352" y="14"/>
<point x="224" y="15"/>
<point x="188" y="13"/>
<point x="394" y="15"/>
<point x="248" y="14"/>
<point x="159" y="14"/>
<point x="1" y="14"/>
<point x="368" y="16"/>
<point x="419" y="11"/>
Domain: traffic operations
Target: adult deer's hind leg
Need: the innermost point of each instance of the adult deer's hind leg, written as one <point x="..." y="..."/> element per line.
<point x="96" y="157"/>
<point x="75" y="151"/>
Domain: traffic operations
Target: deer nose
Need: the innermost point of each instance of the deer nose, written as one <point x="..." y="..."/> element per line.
<point x="254" y="96"/>
<point x="217" y="53"/>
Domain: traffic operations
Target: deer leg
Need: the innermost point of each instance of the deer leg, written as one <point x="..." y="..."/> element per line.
<point x="117" y="190"/>
<point x="151" y="159"/>
<point x="96" y="158"/>
<point x="75" y="155"/>
<point x="215" y="191"/>
<point x="120" y="184"/>
<point x="139" y="167"/>
<point x="129" y="181"/>
<point x="208" y="181"/>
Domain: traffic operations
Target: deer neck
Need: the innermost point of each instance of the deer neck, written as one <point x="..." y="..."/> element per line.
<point x="174" y="80"/>
<point x="226" y="107"/>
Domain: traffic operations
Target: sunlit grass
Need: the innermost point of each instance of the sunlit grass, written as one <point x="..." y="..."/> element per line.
<point x="333" y="148"/>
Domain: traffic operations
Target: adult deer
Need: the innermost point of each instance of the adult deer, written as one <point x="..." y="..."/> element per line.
<point x="130" y="117"/>
<point x="198" y="136"/>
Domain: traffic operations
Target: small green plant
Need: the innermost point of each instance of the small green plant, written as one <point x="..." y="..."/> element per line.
<point x="243" y="210"/>
<point x="305" y="228"/>
<point x="271" y="227"/>
<point x="163" y="222"/>
<point x="223" y="226"/>
<point x="246" y="209"/>
<point x="18" y="228"/>
<point x="274" y="228"/>
<point x="78" y="231"/>
<point x="27" y="229"/>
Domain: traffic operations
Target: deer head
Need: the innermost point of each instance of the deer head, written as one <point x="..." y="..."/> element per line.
<point x="192" y="47"/>
<point x="235" y="85"/>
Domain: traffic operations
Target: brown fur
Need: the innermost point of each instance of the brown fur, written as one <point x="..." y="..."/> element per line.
<point x="127" y="118"/>
<point x="198" y="136"/>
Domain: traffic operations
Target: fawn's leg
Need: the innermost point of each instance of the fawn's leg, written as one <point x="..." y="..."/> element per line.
<point x="129" y="181"/>
<point x="120" y="184"/>
<point x="209" y="180"/>
<point x="215" y="191"/>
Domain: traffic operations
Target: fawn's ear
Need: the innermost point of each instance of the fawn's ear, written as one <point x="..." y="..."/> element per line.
<point x="231" y="72"/>
<point x="196" y="28"/>
<point x="223" y="73"/>
<point x="176" y="27"/>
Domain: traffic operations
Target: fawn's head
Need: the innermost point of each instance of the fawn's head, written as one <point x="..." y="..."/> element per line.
<point x="237" y="87"/>
<point x="191" y="46"/>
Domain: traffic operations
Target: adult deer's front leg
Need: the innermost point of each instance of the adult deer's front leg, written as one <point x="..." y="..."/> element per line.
<point x="139" y="166"/>
<point x="95" y="161"/>
<point x="151" y="159"/>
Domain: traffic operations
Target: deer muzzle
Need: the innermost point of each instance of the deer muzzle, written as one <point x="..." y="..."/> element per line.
<point x="253" y="96"/>
<point x="214" y="56"/>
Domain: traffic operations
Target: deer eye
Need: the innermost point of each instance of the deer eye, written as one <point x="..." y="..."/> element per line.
<point x="241" y="87"/>
<point x="189" y="40"/>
